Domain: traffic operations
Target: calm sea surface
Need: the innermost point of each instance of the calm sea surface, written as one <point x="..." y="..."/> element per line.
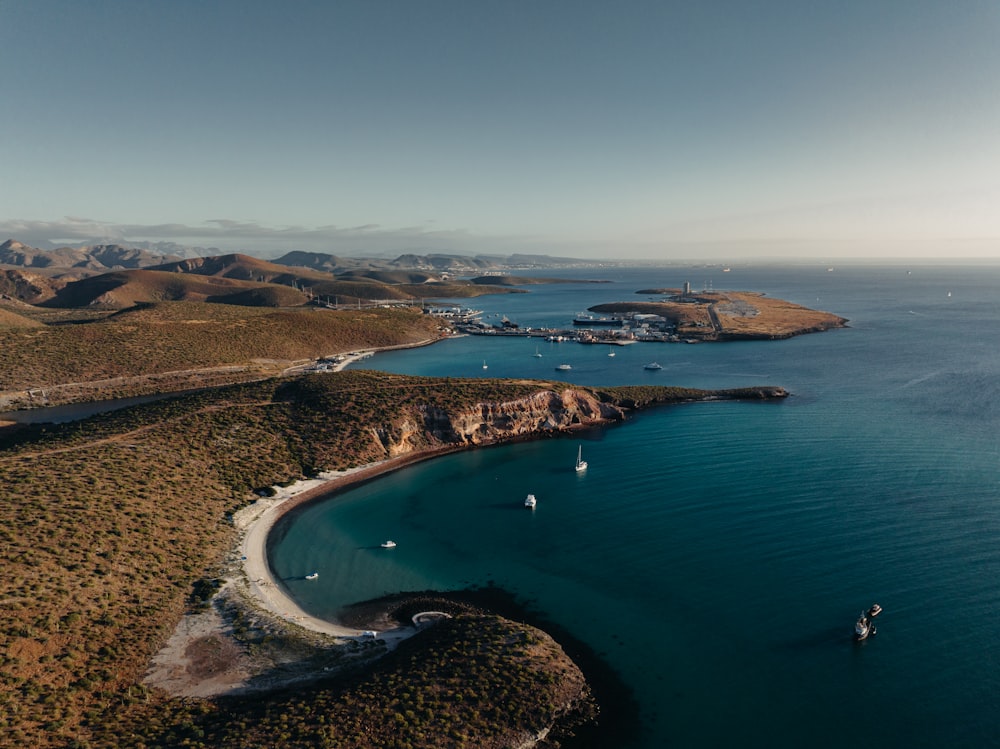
<point x="717" y="554"/>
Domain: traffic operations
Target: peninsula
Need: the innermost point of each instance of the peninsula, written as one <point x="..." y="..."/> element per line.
<point x="723" y="315"/>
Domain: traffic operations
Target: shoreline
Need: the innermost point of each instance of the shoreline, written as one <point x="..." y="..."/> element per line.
<point x="178" y="667"/>
<point x="256" y="521"/>
<point x="248" y="582"/>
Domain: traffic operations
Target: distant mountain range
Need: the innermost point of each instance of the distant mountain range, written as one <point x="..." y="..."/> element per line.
<point x="116" y="277"/>
<point x="103" y="257"/>
<point x="99" y="258"/>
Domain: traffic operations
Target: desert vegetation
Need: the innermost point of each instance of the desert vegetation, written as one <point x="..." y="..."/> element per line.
<point x="473" y="680"/>
<point x="116" y="523"/>
<point x="154" y="339"/>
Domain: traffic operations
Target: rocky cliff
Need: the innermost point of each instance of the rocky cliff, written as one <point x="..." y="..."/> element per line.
<point x="535" y="414"/>
<point x="491" y="422"/>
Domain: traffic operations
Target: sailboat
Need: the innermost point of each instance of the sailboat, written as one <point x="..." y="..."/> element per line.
<point x="484" y="364"/>
<point x="581" y="464"/>
<point x="611" y="352"/>
<point x="537" y="355"/>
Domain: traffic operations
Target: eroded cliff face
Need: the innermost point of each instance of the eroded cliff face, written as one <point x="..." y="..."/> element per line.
<point x="487" y="423"/>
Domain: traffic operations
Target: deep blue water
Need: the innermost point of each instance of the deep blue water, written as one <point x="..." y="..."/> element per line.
<point x="717" y="554"/>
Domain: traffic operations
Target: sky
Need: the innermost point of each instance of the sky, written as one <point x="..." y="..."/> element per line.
<point x="656" y="129"/>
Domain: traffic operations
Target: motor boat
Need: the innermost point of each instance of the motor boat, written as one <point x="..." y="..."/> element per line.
<point x="864" y="627"/>
<point x="388" y="544"/>
<point x="874" y="611"/>
<point x="652" y="365"/>
<point x="312" y="576"/>
<point x="564" y="367"/>
<point x="530" y="501"/>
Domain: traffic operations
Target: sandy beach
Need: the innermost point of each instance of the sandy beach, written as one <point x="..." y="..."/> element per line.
<point x="256" y="522"/>
<point x="201" y="659"/>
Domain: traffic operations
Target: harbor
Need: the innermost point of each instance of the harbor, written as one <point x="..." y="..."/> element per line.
<point x="620" y="329"/>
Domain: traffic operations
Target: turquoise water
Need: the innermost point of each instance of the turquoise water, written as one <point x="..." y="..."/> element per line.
<point x="716" y="554"/>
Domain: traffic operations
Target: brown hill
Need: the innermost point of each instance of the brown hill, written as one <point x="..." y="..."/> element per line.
<point x="170" y="346"/>
<point x="15" y="253"/>
<point x="95" y="258"/>
<point x="246" y="268"/>
<point x="392" y="276"/>
<point x="26" y="286"/>
<point x="322" y="261"/>
<point x="126" y="288"/>
<point x="10" y="319"/>
<point x="438" y="263"/>
<point x="249" y="281"/>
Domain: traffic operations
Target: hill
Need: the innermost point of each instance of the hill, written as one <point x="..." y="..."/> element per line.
<point x="241" y="267"/>
<point x="11" y="319"/>
<point x="121" y="289"/>
<point x="432" y="263"/>
<point x="97" y="257"/>
<point x="327" y="263"/>
<point x="239" y="279"/>
<point x="26" y="286"/>
<point x="181" y="345"/>
<point x="79" y="277"/>
<point x="507" y="280"/>
<point x="392" y="276"/>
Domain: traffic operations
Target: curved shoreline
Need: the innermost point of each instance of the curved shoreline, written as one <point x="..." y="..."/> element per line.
<point x="252" y="584"/>
<point x="258" y="520"/>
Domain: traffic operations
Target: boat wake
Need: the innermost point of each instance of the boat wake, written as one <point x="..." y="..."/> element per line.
<point x="918" y="380"/>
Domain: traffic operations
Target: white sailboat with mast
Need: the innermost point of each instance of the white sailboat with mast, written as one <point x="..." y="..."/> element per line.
<point x="581" y="464"/>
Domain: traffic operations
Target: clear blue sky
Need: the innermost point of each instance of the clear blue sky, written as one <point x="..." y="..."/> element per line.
<point x="635" y="128"/>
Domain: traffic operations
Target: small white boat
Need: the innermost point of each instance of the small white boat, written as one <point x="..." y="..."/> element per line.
<point x="652" y="365"/>
<point x="537" y="354"/>
<point x="312" y="576"/>
<point x="484" y="364"/>
<point x="388" y="544"/>
<point x="611" y="352"/>
<point x="563" y="367"/>
<point x="581" y="464"/>
<point x="530" y="501"/>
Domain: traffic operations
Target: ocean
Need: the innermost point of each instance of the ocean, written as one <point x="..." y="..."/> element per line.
<point x="715" y="555"/>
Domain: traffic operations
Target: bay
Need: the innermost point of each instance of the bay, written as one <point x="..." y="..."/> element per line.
<point x="717" y="554"/>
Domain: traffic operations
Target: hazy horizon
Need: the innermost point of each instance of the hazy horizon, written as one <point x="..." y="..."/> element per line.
<point x="647" y="130"/>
